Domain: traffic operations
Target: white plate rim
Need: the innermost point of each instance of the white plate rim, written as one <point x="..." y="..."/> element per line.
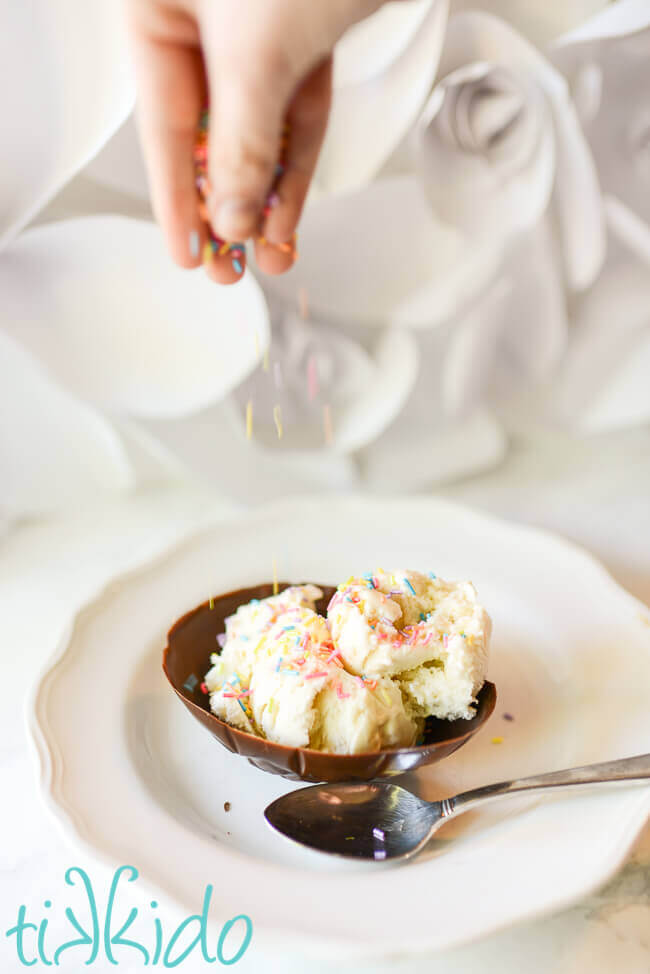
<point x="47" y="760"/>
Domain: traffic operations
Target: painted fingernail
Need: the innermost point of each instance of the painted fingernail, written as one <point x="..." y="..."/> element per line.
<point x="234" y="218"/>
<point x="194" y="244"/>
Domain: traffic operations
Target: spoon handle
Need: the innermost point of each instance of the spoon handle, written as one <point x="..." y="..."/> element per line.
<point x="627" y="769"/>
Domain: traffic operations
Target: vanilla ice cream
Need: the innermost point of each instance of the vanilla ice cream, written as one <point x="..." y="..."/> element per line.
<point x="394" y="649"/>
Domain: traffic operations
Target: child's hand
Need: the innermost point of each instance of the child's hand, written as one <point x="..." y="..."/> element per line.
<point x="260" y="63"/>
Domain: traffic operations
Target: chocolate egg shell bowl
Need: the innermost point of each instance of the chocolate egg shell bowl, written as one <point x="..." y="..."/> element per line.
<point x="193" y="639"/>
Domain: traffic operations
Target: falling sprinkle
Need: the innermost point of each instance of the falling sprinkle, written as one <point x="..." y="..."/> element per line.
<point x="312" y="377"/>
<point x="327" y="424"/>
<point x="497" y="740"/>
<point x="249" y="419"/>
<point x="190" y="683"/>
<point x="207" y="253"/>
<point x="237" y="265"/>
<point x="406" y="582"/>
<point x="349" y="838"/>
<point x="211" y="603"/>
<point x="378" y="834"/>
<point x="277" y="419"/>
<point x="275" y="577"/>
<point x="303" y="306"/>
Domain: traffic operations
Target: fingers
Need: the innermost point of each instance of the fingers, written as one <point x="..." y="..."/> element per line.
<point x="249" y="93"/>
<point x="171" y="91"/>
<point x="307" y="117"/>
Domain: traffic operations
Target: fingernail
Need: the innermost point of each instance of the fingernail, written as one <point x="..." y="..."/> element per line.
<point x="194" y="244"/>
<point x="235" y="218"/>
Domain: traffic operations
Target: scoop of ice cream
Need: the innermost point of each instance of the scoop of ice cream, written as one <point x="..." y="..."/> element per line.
<point x="355" y="715"/>
<point x="394" y="649"/>
<point x="298" y="693"/>
<point x="431" y="634"/>
<point x="247" y="625"/>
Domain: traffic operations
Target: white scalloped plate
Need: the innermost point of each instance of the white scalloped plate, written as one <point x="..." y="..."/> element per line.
<point x="132" y="778"/>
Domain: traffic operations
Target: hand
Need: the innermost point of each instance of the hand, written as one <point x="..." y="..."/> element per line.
<point x="261" y="64"/>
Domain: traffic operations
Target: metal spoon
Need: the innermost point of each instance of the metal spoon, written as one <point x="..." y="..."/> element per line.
<point x="379" y="820"/>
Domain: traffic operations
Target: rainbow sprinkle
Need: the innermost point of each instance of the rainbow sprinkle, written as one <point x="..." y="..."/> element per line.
<point x="303" y="305"/>
<point x="312" y="377"/>
<point x="249" y="419"/>
<point x="277" y="419"/>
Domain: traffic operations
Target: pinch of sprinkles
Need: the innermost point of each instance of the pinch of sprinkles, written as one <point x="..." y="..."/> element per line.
<point x="249" y="422"/>
<point x="277" y="419"/>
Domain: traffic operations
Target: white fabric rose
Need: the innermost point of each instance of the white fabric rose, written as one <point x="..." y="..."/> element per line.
<point x="540" y="21"/>
<point x="100" y="330"/>
<point x="66" y="87"/>
<point x="607" y="64"/>
<point x="499" y="143"/>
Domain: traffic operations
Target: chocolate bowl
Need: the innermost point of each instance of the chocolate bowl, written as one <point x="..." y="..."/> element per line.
<point x="186" y="660"/>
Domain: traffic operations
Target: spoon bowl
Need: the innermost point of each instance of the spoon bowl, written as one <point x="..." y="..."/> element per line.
<point x="380" y="820"/>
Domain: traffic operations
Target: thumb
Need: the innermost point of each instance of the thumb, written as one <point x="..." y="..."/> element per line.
<point x="249" y="96"/>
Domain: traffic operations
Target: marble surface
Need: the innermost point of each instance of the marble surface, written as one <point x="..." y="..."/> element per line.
<point x="592" y="491"/>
